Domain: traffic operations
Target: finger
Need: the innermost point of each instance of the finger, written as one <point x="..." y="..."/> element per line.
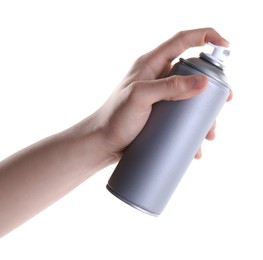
<point x="230" y="97"/>
<point x="198" y="155"/>
<point x="183" y="40"/>
<point x="211" y="134"/>
<point x="147" y="93"/>
<point x="187" y="39"/>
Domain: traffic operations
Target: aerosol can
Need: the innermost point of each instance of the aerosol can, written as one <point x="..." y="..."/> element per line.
<point x="154" y="163"/>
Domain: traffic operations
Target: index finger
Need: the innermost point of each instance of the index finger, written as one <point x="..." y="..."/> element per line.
<point x="164" y="54"/>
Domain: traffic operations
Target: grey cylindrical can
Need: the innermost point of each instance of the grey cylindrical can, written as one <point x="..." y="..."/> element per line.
<point x="154" y="163"/>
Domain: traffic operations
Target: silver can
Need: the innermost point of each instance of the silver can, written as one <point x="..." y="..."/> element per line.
<point x="154" y="163"/>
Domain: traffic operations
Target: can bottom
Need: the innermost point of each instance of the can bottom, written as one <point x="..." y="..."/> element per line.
<point x="130" y="203"/>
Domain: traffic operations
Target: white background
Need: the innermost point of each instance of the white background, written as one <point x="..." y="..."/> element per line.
<point x="60" y="60"/>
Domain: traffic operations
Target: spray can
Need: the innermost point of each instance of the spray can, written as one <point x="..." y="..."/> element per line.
<point x="154" y="163"/>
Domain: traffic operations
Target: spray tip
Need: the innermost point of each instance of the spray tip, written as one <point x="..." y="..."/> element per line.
<point x="219" y="52"/>
<point x="218" y="55"/>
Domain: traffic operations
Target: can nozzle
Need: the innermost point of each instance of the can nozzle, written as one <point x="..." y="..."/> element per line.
<point x="219" y="52"/>
<point x="218" y="55"/>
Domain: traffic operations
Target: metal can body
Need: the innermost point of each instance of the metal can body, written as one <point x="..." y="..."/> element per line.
<point x="154" y="163"/>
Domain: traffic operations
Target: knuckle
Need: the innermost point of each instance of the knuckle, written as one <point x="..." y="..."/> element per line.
<point x="176" y="86"/>
<point x="142" y="66"/>
<point x="210" y="29"/>
<point x="172" y="85"/>
<point x="142" y="60"/>
<point x="181" y="33"/>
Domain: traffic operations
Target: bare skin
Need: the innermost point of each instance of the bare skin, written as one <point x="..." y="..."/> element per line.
<point x="37" y="176"/>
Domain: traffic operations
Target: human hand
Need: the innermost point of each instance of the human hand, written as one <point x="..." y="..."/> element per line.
<point x="125" y="113"/>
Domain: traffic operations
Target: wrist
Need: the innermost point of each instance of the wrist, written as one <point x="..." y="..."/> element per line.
<point x="91" y="144"/>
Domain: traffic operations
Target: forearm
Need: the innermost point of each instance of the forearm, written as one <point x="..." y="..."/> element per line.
<point x="42" y="173"/>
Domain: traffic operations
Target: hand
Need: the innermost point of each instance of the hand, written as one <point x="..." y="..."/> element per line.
<point x="125" y="113"/>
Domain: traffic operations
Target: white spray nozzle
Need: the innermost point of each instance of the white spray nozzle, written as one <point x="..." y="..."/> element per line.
<point x="219" y="52"/>
<point x="218" y="55"/>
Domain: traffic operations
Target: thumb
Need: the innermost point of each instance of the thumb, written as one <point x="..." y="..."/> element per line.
<point x="173" y="88"/>
<point x="146" y="93"/>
